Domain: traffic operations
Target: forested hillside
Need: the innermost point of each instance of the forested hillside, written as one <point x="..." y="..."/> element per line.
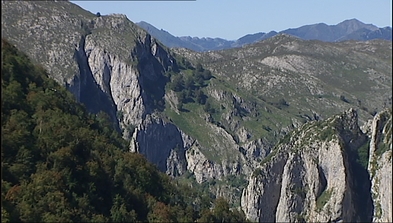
<point x="62" y="164"/>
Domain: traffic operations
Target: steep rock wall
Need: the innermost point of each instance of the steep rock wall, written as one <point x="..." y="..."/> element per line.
<point x="110" y="65"/>
<point x="162" y="143"/>
<point x="133" y="83"/>
<point x="380" y="166"/>
<point x="308" y="176"/>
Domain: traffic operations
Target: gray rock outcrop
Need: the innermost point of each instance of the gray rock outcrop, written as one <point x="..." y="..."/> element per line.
<point x="308" y="176"/>
<point x="380" y="166"/>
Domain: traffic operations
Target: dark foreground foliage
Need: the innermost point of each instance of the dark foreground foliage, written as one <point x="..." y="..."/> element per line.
<point x="62" y="164"/>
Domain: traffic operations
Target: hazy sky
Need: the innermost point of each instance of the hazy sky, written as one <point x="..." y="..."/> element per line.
<point x="231" y="19"/>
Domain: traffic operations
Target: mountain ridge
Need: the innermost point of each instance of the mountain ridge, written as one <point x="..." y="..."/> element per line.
<point x="350" y="29"/>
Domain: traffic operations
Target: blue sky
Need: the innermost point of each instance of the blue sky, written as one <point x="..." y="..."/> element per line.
<point x="232" y="19"/>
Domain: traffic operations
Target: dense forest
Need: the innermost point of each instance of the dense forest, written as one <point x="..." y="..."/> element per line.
<point x="61" y="164"/>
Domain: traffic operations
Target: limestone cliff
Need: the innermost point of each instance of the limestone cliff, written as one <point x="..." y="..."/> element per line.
<point x="380" y="166"/>
<point x="132" y="79"/>
<point x="111" y="65"/>
<point x="309" y="176"/>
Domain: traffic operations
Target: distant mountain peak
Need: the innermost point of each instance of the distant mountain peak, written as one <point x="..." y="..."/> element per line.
<point x="351" y="25"/>
<point x="351" y="20"/>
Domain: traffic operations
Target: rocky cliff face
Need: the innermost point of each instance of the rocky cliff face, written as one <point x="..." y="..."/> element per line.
<point x="107" y="62"/>
<point x="309" y="176"/>
<point x="380" y="166"/>
<point x="131" y="80"/>
<point x="113" y="66"/>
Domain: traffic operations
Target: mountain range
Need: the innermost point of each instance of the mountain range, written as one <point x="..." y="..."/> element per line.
<point x="351" y="29"/>
<point x="286" y="129"/>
